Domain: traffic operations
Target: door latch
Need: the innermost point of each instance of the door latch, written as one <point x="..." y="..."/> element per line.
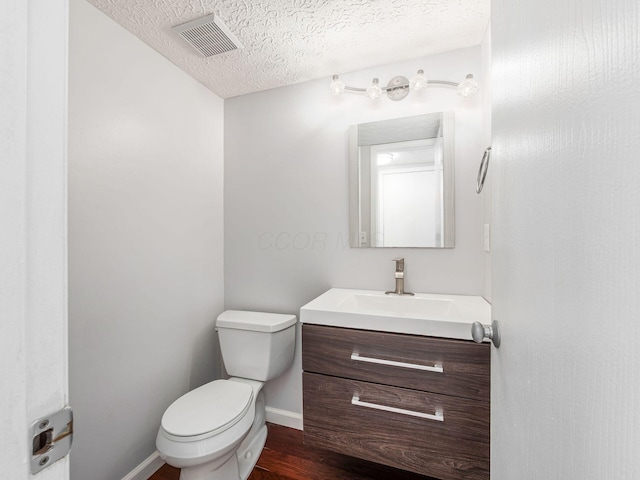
<point x="52" y="436"/>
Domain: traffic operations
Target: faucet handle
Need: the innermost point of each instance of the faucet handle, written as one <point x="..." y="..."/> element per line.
<point x="399" y="264"/>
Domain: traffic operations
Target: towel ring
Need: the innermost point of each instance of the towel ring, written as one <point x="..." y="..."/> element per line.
<point x="482" y="171"/>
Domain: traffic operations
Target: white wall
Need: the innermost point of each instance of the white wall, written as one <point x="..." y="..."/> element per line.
<point x="33" y="307"/>
<point x="286" y="197"/>
<point x="566" y="261"/>
<point x="145" y="241"/>
<point x="486" y="193"/>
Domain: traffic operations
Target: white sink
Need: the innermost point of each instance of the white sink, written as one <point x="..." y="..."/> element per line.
<point x="437" y="315"/>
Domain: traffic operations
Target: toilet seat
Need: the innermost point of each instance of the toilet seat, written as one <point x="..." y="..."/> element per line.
<point x="207" y="411"/>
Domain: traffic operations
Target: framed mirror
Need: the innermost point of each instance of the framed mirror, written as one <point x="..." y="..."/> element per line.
<point x="401" y="182"/>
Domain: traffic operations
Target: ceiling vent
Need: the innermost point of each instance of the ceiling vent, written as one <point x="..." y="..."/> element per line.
<point x="208" y="35"/>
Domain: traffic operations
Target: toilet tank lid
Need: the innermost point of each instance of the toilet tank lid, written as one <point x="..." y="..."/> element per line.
<point x="256" y="321"/>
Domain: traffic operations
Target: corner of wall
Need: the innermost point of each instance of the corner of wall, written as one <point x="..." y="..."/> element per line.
<point x="486" y="137"/>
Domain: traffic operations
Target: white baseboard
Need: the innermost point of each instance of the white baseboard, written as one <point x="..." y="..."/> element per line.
<point x="284" y="418"/>
<point x="147" y="468"/>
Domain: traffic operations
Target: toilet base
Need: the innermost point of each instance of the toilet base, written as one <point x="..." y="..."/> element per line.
<point x="228" y="471"/>
<point x="248" y="455"/>
<point x="238" y="467"/>
<point x="251" y="447"/>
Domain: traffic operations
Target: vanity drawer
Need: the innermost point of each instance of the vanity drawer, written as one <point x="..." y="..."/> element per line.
<point x="453" y="367"/>
<point x="453" y="448"/>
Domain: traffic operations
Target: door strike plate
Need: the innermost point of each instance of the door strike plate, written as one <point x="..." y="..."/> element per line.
<point x="51" y="439"/>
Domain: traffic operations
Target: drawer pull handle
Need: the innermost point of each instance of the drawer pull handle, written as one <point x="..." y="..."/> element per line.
<point x="436" y="368"/>
<point x="438" y="417"/>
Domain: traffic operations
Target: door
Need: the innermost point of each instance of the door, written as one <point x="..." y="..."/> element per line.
<point x="33" y="320"/>
<point x="565" y="245"/>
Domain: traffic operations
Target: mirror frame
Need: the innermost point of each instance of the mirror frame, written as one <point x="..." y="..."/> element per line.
<point x="448" y="133"/>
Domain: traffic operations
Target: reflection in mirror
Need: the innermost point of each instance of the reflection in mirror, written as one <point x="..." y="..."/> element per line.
<point x="401" y="182"/>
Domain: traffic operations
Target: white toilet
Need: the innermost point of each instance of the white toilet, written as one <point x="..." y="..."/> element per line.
<point x="217" y="431"/>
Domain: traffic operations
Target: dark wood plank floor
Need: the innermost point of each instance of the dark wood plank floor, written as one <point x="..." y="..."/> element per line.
<point x="286" y="458"/>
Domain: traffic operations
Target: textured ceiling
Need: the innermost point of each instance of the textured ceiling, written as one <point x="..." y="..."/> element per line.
<point x="291" y="41"/>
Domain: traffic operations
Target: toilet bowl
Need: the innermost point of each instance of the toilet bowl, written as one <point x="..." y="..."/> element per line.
<point x="217" y="431"/>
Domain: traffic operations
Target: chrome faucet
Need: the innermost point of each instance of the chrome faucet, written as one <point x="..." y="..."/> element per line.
<point x="399" y="276"/>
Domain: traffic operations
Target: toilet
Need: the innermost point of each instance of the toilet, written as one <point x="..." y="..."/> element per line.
<point x="217" y="431"/>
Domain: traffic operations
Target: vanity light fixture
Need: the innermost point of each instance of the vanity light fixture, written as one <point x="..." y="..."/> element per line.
<point x="336" y="87"/>
<point x="468" y="87"/>
<point x="399" y="86"/>
<point x="418" y="81"/>
<point x="374" y="91"/>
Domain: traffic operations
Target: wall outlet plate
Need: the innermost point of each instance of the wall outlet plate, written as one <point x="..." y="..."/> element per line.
<point x="487" y="237"/>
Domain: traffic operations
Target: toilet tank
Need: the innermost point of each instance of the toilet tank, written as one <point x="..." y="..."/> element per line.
<point x="256" y="345"/>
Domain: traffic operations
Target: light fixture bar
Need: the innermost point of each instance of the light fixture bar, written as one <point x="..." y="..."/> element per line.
<point x="444" y="82"/>
<point x="399" y="87"/>
<point x="406" y="85"/>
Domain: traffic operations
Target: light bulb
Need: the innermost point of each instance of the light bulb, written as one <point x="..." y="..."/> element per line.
<point x="468" y="87"/>
<point x="336" y="87"/>
<point x="418" y="81"/>
<point x="374" y="91"/>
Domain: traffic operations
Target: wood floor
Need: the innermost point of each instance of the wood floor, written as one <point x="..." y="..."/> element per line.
<point x="285" y="458"/>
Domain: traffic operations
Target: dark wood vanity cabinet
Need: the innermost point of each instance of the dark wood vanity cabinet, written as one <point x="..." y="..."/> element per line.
<point x="408" y="401"/>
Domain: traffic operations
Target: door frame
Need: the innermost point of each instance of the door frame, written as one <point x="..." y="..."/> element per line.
<point x="33" y="255"/>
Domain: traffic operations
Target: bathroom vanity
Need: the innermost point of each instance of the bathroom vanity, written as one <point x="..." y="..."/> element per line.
<point x="378" y="386"/>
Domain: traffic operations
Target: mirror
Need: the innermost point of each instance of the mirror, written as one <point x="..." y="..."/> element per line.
<point x="401" y="182"/>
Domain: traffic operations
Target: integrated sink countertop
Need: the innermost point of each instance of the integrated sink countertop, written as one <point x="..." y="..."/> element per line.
<point x="436" y="315"/>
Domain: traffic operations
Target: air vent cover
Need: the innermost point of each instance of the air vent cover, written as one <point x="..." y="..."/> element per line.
<point x="208" y="35"/>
